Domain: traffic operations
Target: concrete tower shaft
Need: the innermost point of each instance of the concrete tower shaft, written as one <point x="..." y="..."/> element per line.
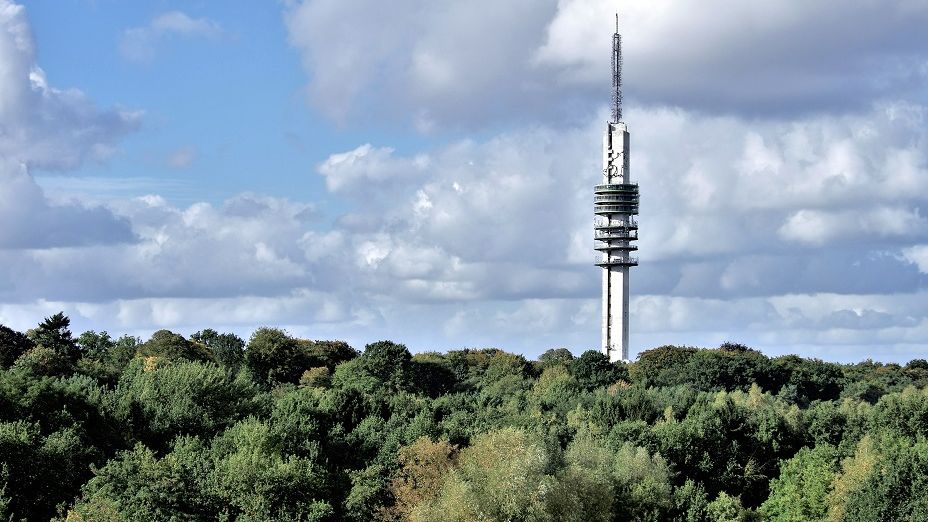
<point x="615" y="205"/>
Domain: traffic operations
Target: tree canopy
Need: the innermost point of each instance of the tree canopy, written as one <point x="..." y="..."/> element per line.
<point x="210" y="427"/>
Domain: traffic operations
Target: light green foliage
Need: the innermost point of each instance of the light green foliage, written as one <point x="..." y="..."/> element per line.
<point x="642" y="483"/>
<point x="801" y="491"/>
<point x="43" y="361"/>
<point x="585" y="489"/>
<point x="726" y="508"/>
<point x="885" y="479"/>
<point x="555" y="390"/>
<point x="241" y="476"/>
<point x="319" y="377"/>
<point x="255" y="481"/>
<point x="500" y="477"/>
<point x="904" y="413"/>
<point x="690" y="503"/>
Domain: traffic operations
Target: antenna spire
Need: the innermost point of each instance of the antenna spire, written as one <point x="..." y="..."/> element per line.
<point x="616" y="73"/>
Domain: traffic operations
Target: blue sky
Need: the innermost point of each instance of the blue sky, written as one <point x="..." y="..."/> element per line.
<point x="233" y="101"/>
<point x="422" y="172"/>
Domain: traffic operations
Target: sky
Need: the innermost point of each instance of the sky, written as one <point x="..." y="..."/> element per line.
<point x="422" y="171"/>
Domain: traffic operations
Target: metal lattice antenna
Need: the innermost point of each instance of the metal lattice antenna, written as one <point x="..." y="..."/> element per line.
<point x="616" y="73"/>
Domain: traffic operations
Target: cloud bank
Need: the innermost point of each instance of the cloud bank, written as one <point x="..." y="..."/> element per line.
<point x="782" y="152"/>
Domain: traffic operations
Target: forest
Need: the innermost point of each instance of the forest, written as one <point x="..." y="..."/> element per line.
<point x="214" y="427"/>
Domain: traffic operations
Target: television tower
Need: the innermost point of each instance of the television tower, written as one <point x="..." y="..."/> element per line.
<point x="615" y="203"/>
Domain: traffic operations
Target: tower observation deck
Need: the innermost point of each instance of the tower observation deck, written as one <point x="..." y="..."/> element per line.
<point x="615" y="205"/>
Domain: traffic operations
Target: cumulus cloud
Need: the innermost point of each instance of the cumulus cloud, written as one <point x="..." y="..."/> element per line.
<point x="504" y="222"/>
<point x="490" y="240"/>
<point x="42" y="127"/>
<point x="729" y="207"/>
<point x="757" y="57"/>
<point x="30" y="221"/>
<point x="548" y="60"/>
<point x="139" y="44"/>
<point x="350" y="170"/>
<point x="805" y="231"/>
<point x="818" y="227"/>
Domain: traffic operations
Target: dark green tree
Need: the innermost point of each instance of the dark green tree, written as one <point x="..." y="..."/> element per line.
<point x="12" y="345"/>
<point x="273" y="357"/>
<point x="171" y="346"/>
<point x="227" y="348"/>
<point x="556" y="356"/>
<point x="54" y="333"/>
<point x="593" y="369"/>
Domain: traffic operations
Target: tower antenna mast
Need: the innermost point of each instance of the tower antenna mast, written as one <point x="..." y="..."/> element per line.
<point x="615" y="228"/>
<point x="616" y="73"/>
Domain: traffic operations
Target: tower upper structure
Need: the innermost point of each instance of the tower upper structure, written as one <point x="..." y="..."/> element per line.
<point x="615" y="228"/>
<point x="616" y="73"/>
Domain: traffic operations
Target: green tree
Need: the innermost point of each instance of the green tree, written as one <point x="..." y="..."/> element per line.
<point x="885" y="479"/>
<point x="40" y="471"/>
<point x="43" y="361"/>
<point x="184" y="398"/>
<point x="585" y="489"/>
<point x="726" y="508"/>
<point x="227" y="348"/>
<point x="643" y="489"/>
<point x="170" y="346"/>
<point x="12" y="345"/>
<point x="808" y="380"/>
<point x="663" y="366"/>
<point x="384" y="367"/>
<point x="423" y="467"/>
<point x="54" y="333"/>
<point x="274" y="357"/>
<point x="500" y="477"/>
<point x="593" y="370"/>
<point x="556" y="356"/>
<point x="801" y="491"/>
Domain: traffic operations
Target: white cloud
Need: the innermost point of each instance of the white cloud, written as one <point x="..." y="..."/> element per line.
<point x="435" y="66"/>
<point x="818" y="227"/>
<point x="138" y="44"/>
<point x="776" y="232"/>
<point x="182" y="158"/>
<point x="488" y="242"/>
<point x="31" y="221"/>
<point x="918" y="255"/>
<point x="42" y="127"/>
<point x="353" y="169"/>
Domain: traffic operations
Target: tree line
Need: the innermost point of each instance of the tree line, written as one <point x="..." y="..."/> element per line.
<point x="211" y="427"/>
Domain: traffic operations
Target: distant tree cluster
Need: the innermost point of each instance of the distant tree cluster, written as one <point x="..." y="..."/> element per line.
<point x="210" y="427"/>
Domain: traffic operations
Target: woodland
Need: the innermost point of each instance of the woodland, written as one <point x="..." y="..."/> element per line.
<point x="214" y="427"/>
